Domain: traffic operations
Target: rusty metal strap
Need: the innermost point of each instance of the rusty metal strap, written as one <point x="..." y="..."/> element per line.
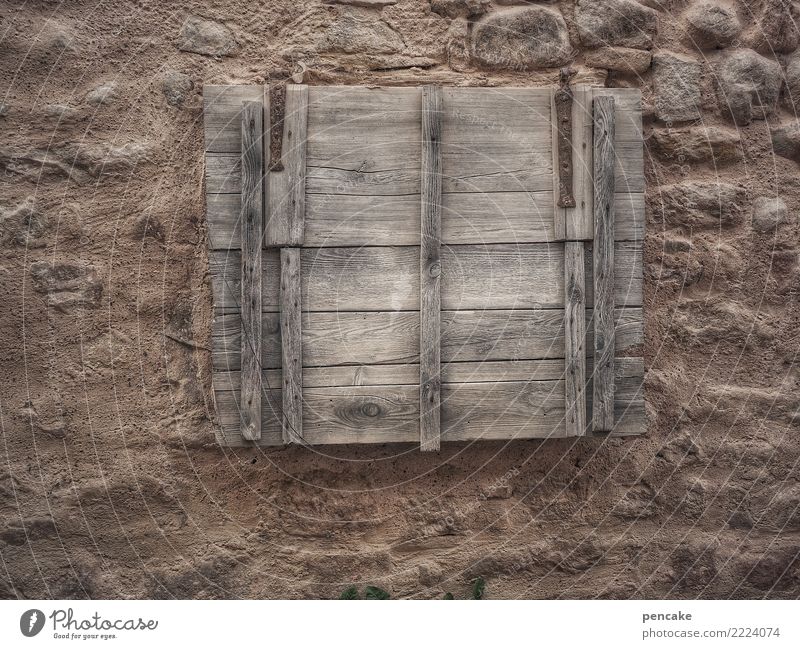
<point x="563" y="101"/>
<point x="277" y="113"/>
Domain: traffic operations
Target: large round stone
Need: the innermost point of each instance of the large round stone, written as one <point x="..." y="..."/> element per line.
<point x="712" y="24"/>
<point x="522" y="39"/>
<point x="616" y="22"/>
<point x="749" y="85"/>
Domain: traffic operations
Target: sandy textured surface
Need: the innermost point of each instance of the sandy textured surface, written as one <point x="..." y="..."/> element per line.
<point x="110" y="482"/>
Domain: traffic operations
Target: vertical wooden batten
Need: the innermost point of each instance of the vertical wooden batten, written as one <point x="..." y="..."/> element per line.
<point x="575" y="334"/>
<point x="430" y="270"/>
<point x="603" y="260"/>
<point x="252" y="205"/>
<point x="291" y="346"/>
<point x="287" y="175"/>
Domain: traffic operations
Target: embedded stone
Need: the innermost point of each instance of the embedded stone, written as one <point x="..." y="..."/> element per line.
<point x="616" y="22"/>
<point x="206" y="37"/>
<point x="104" y="94"/>
<point x="697" y="144"/>
<point x="522" y="39"/>
<point x="776" y="31"/>
<point x="357" y="32"/>
<point x="701" y="204"/>
<point x="457" y="47"/>
<point x="768" y="213"/>
<point x="711" y="24"/>
<point x="67" y="284"/>
<point x="23" y="224"/>
<point x="619" y="59"/>
<point x="793" y="81"/>
<point x="373" y="4"/>
<point x="176" y="86"/>
<point x="676" y="81"/>
<point x="749" y="86"/>
<point x="786" y="141"/>
<point x="456" y="8"/>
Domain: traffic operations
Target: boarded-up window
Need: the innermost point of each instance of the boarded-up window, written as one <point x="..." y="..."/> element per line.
<point x="412" y="270"/>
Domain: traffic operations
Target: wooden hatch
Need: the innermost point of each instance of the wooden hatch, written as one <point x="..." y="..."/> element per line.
<point x="415" y="267"/>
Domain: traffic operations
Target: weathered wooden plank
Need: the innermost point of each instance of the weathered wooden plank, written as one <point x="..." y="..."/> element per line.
<point x="470" y="411"/>
<point x="291" y="346"/>
<point x="364" y="141"/>
<point x="361" y="182"/>
<point x="629" y="167"/>
<point x="574" y="338"/>
<point x="374" y="338"/>
<point x="252" y="129"/>
<point x="387" y="278"/>
<point x="603" y="256"/>
<point x="287" y="187"/>
<point x="408" y="373"/>
<point x="223" y="173"/>
<point x="496" y="140"/>
<point x="222" y="106"/>
<point x="430" y="270"/>
<point x="506" y="110"/>
<point x="630" y="416"/>
<point x="334" y="107"/>
<point x="579" y="224"/>
<point x="503" y="217"/>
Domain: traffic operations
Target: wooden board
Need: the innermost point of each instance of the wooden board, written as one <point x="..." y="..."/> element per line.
<point x="430" y="271"/>
<point x="470" y="411"/>
<point x="287" y="186"/>
<point x="381" y="337"/>
<point x="603" y="264"/>
<point x="574" y="338"/>
<point x="251" y="285"/>
<point x="291" y="346"/>
<point x="473" y="277"/>
<point x="507" y="317"/>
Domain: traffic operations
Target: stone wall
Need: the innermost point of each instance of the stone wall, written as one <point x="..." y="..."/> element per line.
<point x="111" y="484"/>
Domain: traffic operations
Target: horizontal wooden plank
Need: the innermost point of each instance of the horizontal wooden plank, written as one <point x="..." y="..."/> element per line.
<point x="335" y="106"/>
<point x="222" y="115"/>
<point x="504" y="217"/>
<point x="386" y="278"/>
<point x="470" y="411"/>
<point x="380" y="337"/>
<point x="361" y="182"/>
<point x="549" y="369"/>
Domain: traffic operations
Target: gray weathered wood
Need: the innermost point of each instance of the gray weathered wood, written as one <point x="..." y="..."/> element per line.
<point x="252" y="223"/>
<point x="603" y="256"/>
<point x="291" y="346"/>
<point x="222" y="106"/>
<point x="360" y="272"/>
<point x="372" y="338"/>
<point x="408" y="373"/>
<point x="430" y="270"/>
<point x="470" y="411"/>
<point x="574" y="338"/>
<point x="501" y="217"/>
<point x="387" y="279"/>
<point x="287" y="187"/>
<point x="579" y="224"/>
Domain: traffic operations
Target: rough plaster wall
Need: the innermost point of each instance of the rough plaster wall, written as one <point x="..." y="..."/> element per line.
<point x="110" y="484"/>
